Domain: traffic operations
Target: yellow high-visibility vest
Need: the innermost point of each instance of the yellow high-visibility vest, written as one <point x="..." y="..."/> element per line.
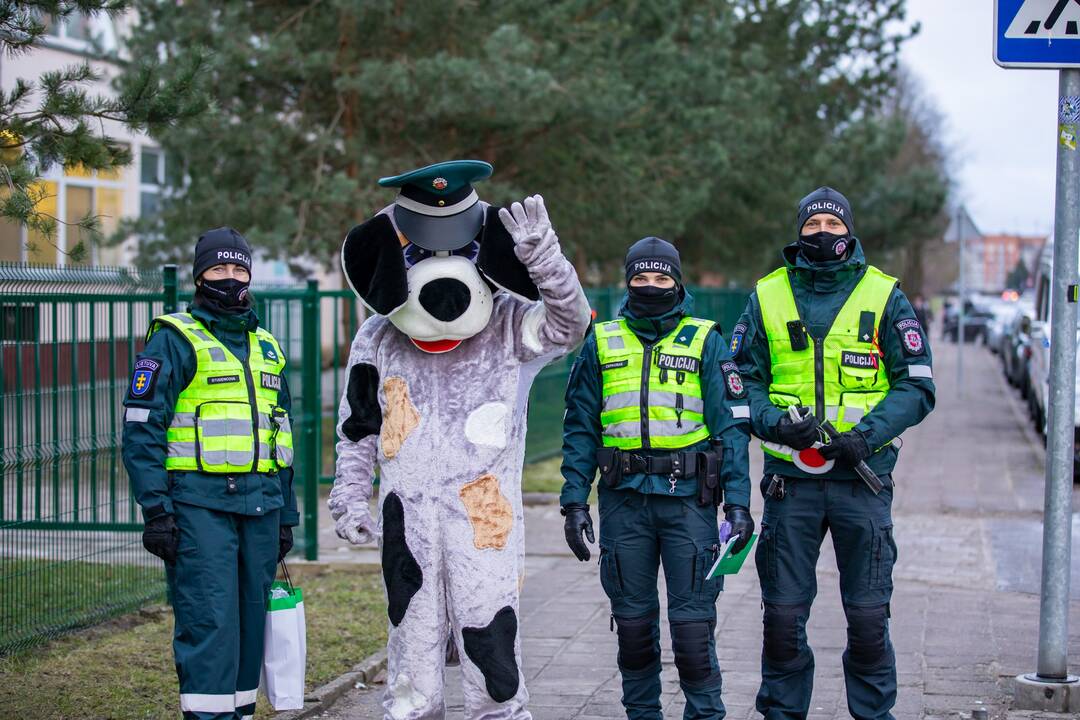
<point x="841" y="376"/>
<point x="228" y="420"/>
<point x="652" y="393"/>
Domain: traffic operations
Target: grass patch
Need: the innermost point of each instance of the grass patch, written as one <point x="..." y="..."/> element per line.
<point x="52" y="596"/>
<point x="543" y="476"/>
<point x="124" y="668"/>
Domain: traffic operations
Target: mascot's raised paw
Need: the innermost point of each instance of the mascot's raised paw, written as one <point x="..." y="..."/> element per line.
<point x="529" y="226"/>
<point x="357" y="528"/>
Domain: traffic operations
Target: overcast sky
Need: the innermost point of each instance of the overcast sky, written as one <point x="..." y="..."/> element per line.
<point x="1000" y="124"/>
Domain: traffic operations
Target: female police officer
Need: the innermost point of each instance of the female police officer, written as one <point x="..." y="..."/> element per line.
<point x="208" y="447"/>
<point x="656" y="403"/>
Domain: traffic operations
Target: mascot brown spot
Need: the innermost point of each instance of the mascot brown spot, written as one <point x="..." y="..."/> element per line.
<point x="400" y="417"/>
<point x="489" y="512"/>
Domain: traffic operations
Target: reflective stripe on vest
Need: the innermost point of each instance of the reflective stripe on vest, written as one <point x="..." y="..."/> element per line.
<point x="228" y="420"/>
<point x="842" y="376"/>
<point x="654" y="404"/>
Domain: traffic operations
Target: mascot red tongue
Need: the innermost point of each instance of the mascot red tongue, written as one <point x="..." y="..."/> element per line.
<point x="469" y="303"/>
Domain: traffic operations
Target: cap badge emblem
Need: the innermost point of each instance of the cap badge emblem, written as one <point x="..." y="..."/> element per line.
<point x="439" y="183"/>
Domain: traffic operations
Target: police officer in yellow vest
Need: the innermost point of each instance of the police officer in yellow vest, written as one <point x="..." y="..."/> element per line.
<point x="836" y="339"/>
<point x="657" y="405"/>
<point x="208" y="447"/>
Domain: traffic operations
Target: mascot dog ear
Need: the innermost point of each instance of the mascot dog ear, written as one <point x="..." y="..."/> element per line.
<point x="498" y="262"/>
<point x="374" y="265"/>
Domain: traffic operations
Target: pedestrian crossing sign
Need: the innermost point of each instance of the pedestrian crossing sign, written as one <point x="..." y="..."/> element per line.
<point x="1037" y="33"/>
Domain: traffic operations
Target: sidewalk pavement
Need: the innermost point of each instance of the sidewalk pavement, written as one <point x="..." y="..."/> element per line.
<point x="969" y="494"/>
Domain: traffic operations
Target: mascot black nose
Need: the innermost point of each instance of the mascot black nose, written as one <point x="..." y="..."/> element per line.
<point x="445" y="298"/>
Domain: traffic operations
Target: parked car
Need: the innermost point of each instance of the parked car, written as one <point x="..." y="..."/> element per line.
<point x="1015" y="346"/>
<point x="976" y="317"/>
<point x="1002" y="313"/>
<point x="1039" y="365"/>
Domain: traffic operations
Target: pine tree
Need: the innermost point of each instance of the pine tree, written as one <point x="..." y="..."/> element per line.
<point x="700" y="121"/>
<point x="53" y="119"/>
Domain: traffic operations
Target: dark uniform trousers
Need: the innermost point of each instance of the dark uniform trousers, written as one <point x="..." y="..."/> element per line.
<point x="219" y="588"/>
<point x="638" y="533"/>
<point x="792" y="530"/>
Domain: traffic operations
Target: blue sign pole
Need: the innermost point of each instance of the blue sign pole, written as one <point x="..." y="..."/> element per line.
<point x="1046" y="34"/>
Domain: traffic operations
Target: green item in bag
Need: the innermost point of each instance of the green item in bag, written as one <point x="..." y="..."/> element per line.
<point x="728" y="564"/>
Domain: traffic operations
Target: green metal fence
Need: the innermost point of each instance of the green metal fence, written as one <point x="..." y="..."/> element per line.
<point x="70" y="545"/>
<point x="68" y="553"/>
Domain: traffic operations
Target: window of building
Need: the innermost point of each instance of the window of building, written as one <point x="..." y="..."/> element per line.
<point x="91" y="33"/>
<point x="11" y="242"/>
<point x="156" y="176"/>
<point x="70" y="195"/>
<point x="41" y="248"/>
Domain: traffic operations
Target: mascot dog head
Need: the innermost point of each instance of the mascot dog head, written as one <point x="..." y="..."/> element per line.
<point x="431" y="260"/>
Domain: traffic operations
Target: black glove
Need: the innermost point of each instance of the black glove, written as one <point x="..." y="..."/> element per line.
<point x="849" y="447"/>
<point x="578" y="519"/>
<point x="285" y="542"/>
<point x="742" y="524"/>
<point x="798" y="435"/>
<point x="161" y="537"/>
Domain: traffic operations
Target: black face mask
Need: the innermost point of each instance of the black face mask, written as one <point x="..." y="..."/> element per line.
<point x="228" y="296"/>
<point x="651" y="301"/>
<point x="824" y="246"/>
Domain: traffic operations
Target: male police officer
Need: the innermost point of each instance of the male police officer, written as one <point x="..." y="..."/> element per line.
<point x="834" y="336"/>
<point x="655" y="401"/>
<point x="208" y="447"/>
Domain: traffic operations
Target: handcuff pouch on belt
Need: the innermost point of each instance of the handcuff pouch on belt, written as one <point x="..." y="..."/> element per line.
<point x="609" y="462"/>
<point x="710" y="491"/>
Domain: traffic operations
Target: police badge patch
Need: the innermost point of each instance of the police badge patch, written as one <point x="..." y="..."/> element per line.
<point x="911" y="337"/>
<point x="144" y="378"/>
<point x="735" y="388"/>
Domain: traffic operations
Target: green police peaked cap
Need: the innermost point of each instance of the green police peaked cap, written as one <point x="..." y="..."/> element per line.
<point x="437" y="207"/>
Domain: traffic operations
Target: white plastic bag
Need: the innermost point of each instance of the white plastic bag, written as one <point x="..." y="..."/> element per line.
<point x="285" y="649"/>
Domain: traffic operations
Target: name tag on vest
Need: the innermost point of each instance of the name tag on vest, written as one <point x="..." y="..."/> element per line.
<point x="615" y="365"/>
<point x="222" y="379"/>
<point x="859" y="360"/>
<point x="271" y="381"/>
<point x="678" y="362"/>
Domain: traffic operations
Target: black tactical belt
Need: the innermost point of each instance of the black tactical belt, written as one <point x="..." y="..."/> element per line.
<point x="676" y="464"/>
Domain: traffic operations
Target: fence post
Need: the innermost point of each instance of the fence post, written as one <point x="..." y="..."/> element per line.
<point x="312" y="428"/>
<point x="171" y="289"/>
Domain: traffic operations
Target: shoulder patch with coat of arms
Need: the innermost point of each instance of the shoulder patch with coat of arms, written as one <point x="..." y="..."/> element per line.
<point x="737" y="334"/>
<point x="911" y="336"/>
<point x="143" y="379"/>
<point x="733" y="380"/>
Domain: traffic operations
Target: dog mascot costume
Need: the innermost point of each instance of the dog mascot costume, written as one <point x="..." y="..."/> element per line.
<point x="469" y="303"/>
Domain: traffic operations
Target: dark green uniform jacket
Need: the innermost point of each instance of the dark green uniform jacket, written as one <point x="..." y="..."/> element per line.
<point x="820" y="291"/>
<point x="145" y="444"/>
<point x="582" y="429"/>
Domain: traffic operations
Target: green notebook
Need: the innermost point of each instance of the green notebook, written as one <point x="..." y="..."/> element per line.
<point x="728" y="564"/>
